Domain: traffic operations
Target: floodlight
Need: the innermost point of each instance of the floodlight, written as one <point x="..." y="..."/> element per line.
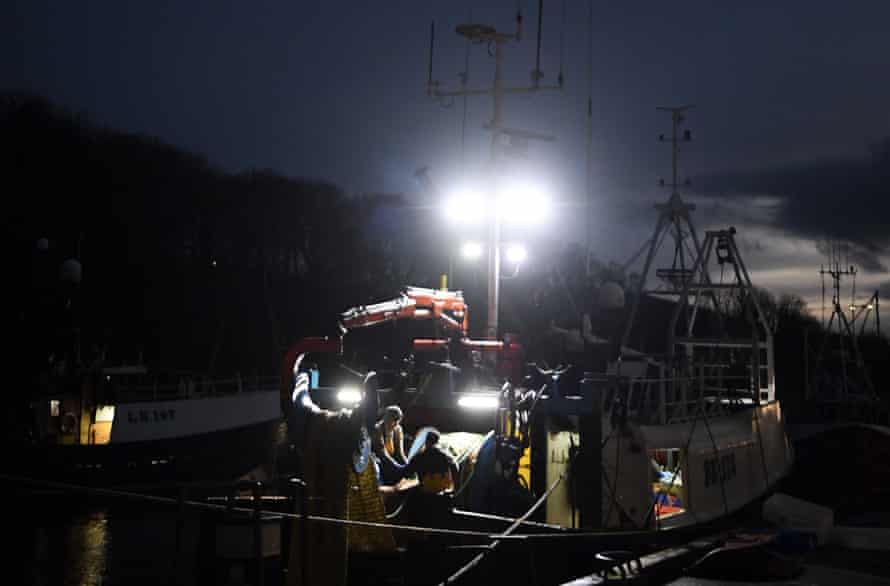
<point x="349" y="395"/>
<point x="465" y="206"/>
<point x="478" y="401"/>
<point x="471" y="250"/>
<point x="523" y="203"/>
<point x="516" y="253"/>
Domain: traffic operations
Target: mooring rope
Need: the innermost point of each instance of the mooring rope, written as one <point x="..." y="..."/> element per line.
<point x="249" y="510"/>
<point x="476" y="560"/>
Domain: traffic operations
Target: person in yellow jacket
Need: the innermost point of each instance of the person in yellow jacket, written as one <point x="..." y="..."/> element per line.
<point x="435" y="468"/>
<point x="388" y="443"/>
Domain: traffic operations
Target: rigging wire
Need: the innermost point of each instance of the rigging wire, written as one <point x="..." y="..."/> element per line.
<point x="562" y="39"/>
<point x="465" y="78"/>
<point x="475" y="561"/>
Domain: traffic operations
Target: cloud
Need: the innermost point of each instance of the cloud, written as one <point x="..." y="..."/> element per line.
<point x="843" y="201"/>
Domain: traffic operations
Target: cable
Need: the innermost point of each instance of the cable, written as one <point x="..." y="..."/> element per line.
<point x="475" y="561"/>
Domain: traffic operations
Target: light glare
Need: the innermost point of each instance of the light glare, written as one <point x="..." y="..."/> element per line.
<point x="516" y="253"/>
<point x="349" y="395"/>
<point x="471" y="250"/>
<point x="478" y="402"/>
<point x="522" y="203"/>
<point x="465" y="206"/>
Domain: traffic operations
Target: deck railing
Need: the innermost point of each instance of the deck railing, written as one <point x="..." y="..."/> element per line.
<point x="187" y="388"/>
<point x="671" y="399"/>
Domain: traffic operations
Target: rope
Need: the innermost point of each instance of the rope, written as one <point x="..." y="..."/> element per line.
<point x="249" y="510"/>
<point x="476" y="560"/>
<point x="683" y="453"/>
<point x="720" y="470"/>
<point x="762" y="453"/>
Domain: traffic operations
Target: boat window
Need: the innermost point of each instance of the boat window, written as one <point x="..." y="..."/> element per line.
<point x="667" y="482"/>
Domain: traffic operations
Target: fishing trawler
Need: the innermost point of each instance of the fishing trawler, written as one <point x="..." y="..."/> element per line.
<point x="651" y="449"/>
<point x="88" y="419"/>
<point x="122" y="425"/>
<point x="667" y="423"/>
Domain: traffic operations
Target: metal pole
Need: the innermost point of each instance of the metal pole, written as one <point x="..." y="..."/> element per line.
<point x="589" y="162"/>
<point x="259" y="570"/>
<point x="494" y="240"/>
<point x="180" y="527"/>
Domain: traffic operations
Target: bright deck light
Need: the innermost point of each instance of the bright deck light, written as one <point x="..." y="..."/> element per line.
<point x="349" y="395"/>
<point x="516" y="253"/>
<point x="520" y="203"/>
<point x="478" y="402"/>
<point x="471" y="250"/>
<point x="465" y="206"/>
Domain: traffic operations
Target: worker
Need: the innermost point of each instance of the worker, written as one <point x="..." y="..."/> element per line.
<point x="435" y="468"/>
<point x="388" y="444"/>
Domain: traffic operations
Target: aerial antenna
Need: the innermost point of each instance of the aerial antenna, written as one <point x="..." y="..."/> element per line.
<point x="589" y="158"/>
<point x="537" y="74"/>
<point x="562" y="44"/>
<point x="432" y="46"/>
<point x="464" y="79"/>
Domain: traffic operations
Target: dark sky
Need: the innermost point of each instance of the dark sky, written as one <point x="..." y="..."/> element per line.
<point x="335" y="90"/>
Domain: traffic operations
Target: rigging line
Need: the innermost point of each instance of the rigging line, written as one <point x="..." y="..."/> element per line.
<point x="475" y="561"/>
<point x="613" y="489"/>
<point x="249" y="510"/>
<point x="589" y="128"/>
<point x="719" y="470"/>
<point x="683" y="453"/>
<point x="562" y="42"/>
<point x="465" y="78"/>
<point x="760" y="443"/>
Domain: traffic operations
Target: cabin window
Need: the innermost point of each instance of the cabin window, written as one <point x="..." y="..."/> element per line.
<point x="54" y="408"/>
<point x="100" y="431"/>
<point x="667" y="482"/>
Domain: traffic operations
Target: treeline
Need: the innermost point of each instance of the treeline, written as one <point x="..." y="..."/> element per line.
<point x="182" y="263"/>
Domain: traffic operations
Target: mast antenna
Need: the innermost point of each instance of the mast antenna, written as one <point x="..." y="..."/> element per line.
<point x="845" y="327"/>
<point x="476" y="33"/>
<point x="674" y="219"/>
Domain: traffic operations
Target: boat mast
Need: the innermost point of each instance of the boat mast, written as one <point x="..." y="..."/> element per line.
<point x="673" y="219"/>
<point x="488" y="35"/>
<point x="844" y="326"/>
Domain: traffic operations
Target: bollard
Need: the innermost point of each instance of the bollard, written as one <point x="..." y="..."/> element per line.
<point x="180" y="527"/>
<point x="297" y="489"/>
<point x="304" y="529"/>
<point x="258" y="532"/>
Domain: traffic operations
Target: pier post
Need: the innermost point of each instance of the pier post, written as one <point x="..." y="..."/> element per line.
<point x="591" y="456"/>
<point x="259" y="569"/>
<point x="180" y="527"/>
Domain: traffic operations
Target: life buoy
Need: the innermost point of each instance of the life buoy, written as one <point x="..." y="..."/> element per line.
<point x="69" y="423"/>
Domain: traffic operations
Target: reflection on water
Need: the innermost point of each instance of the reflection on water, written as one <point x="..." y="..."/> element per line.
<point x="83" y="544"/>
<point x="87" y="544"/>
<point x="70" y="551"/>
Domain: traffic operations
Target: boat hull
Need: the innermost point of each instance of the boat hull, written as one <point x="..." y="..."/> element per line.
<point x="190" y="439"/>
<point x="215" y="456"/>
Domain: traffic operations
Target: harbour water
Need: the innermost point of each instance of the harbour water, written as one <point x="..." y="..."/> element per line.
<point x="65" y="540"/>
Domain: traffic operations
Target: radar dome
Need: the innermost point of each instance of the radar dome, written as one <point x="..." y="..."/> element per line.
<point x="611" y="296"/>
<point x="71" y="271"/>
